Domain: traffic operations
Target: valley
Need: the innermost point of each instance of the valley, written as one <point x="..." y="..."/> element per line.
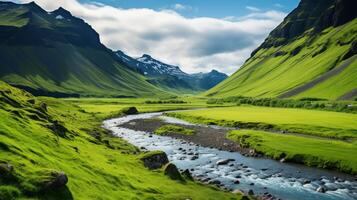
<point x="80" y="120"/>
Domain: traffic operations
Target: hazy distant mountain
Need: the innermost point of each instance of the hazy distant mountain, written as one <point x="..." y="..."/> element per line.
<point x="169" y="76"/>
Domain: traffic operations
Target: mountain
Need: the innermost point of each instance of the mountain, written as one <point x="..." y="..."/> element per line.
<point x="171" y="77"/>
<point x="57" y="54"/>
<point x="312" y="53"/>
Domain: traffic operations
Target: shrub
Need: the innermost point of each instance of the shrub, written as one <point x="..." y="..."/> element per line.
<point x="9" y="193"/>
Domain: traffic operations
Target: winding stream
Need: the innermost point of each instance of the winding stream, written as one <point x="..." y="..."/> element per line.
<point x="282" y="180"/>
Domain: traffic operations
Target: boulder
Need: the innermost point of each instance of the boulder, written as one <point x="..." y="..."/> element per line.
<point x="130" y="111"/>
<point x="224" y="161"/>
<point x="250" y="192"/>
<point x="154" y="159"/>
<point x="58" y="180"/>
<point x="321" y="189"/>
<point x="171" y="171"/>
<point x="187" y="174"/>
<point x="6" y="169"/>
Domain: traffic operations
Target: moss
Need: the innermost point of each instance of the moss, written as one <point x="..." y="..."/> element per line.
<point x="165" y="129"/>
<point x="9" y="193"/>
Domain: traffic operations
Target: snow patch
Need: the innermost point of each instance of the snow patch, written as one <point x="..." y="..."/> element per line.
<point x="59" y="17"/>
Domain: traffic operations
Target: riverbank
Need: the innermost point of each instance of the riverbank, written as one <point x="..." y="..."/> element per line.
<point x="231" y="170"/>
<point x="328" y="150"/>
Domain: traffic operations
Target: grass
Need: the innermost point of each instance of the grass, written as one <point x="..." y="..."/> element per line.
<point x="314" y="138"/>
<point x="98" y="165"/>
<point x="165" y="129"/>
<point x="311" y="122"/>
<point x="323" y="153"/>
<point x="269" y="75"/>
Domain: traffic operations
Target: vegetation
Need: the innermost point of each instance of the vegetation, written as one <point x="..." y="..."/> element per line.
<point x="309" y="122"/>
<point x="165" y="129"/>
<point x="279" y="67"/>
<point x="306" y="103"/>
<point x="42" y="136"/>
<point x="172" y="101"/>
<point x="330" y="154"/>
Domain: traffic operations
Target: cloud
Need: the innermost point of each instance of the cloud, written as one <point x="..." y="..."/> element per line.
<point x="181" y="7"/>
<point x="252" y="8"/>
<point x="194" y="44"/>
<point x="279" y="5"/>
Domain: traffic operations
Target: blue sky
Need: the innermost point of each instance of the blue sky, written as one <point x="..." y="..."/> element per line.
<point x="205" y="8"/>
<point x="196" y="35"/>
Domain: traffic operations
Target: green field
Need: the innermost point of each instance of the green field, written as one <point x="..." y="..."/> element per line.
<point x="169" y="128"/>
<point x="310" y="122"/>
<point x="98" y="166"/>
<point x="315" y="138"/>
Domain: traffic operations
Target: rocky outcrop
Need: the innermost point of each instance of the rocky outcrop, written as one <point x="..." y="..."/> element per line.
<point x="154" y="159"/>
<point x="58" y="180"/>
<point x="313" y="16"/>
<point x="130" y="111"/>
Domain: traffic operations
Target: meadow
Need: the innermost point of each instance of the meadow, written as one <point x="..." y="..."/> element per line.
<point x="323" y="139"/>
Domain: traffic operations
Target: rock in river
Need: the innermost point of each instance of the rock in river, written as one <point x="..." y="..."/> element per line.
<point x="224" y="161"/>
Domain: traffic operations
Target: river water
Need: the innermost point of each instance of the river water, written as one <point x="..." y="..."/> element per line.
<point x="282" y="180"/>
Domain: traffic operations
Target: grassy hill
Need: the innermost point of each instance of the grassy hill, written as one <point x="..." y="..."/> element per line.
<point x="57" y="54"/>
<point x="310" y="54"/>
<point x="40" y="138"/>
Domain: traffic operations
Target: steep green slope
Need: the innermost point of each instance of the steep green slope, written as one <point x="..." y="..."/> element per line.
<point x="302" y="56"/>
<point x="39" y="138"/>
<point x="58" y="54"/>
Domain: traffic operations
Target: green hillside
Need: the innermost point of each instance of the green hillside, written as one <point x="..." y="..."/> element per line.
<point x="41" y="138"/>
<point x="58" y="54"/>
<point x="310" y="54"/>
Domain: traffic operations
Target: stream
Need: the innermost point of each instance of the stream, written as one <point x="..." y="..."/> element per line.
<point x="260" y="175"/>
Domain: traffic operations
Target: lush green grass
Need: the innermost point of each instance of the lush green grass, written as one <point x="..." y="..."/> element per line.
<point x="98" y="166"/>
<point x="269" y="75"/>
<point x="312" y="122"/>
<point x="165" y="129"/>
<point x="323" y="153"/>
<point x="335" y="86"/>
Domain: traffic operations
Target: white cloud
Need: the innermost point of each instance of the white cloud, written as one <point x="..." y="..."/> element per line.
<point x="195" y="44"/>
<point x="180" y="7"/>
<point x="252" y="8"/>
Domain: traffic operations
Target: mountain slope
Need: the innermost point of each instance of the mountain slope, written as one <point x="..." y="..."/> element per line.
<point x="302" y="56"/>
<point x="41" y="138"/>
<point x="171" y="77"/>
<point x="55" y="53"/>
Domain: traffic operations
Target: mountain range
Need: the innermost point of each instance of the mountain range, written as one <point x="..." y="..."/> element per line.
<point x="171" y="77"/>
<point x="57" y="54"/>
<point x="311" y="54"/>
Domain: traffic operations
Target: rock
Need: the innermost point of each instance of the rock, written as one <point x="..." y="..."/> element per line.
<point x="251" y="183"/>
<point x="130" y="111"/>
<point x="282" y="160"/>
<point x="154" y="159"/>
<point x="214" y="182"/>
<point x="224" y="161"/>
<point x="31" y="101"/>
<point x="236" y="181"/>
<point x="321" y="189"/>
<point x="250" y="192"/>
<point x="187" y="174"/>
<point x="171" y="171"/>
<point x="194" y="157"/>
<point x="59" y="179"/>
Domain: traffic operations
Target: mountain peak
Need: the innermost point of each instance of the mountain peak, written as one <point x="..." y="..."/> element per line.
<point x="62" y="12"/>
<point x="146" y="56"/>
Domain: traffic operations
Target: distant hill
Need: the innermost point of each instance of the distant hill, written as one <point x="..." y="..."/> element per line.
<point x="171" y="77"/>
<point x="57" y="54"/>
<point x="312" y="53"/>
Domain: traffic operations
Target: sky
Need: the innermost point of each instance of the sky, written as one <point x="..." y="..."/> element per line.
<point x="197" y="35"/>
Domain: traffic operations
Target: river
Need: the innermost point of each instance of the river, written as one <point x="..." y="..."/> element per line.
<point x="261" y="175"/>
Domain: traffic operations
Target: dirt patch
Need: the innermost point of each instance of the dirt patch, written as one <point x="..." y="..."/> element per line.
<point x="204" y="135"/>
